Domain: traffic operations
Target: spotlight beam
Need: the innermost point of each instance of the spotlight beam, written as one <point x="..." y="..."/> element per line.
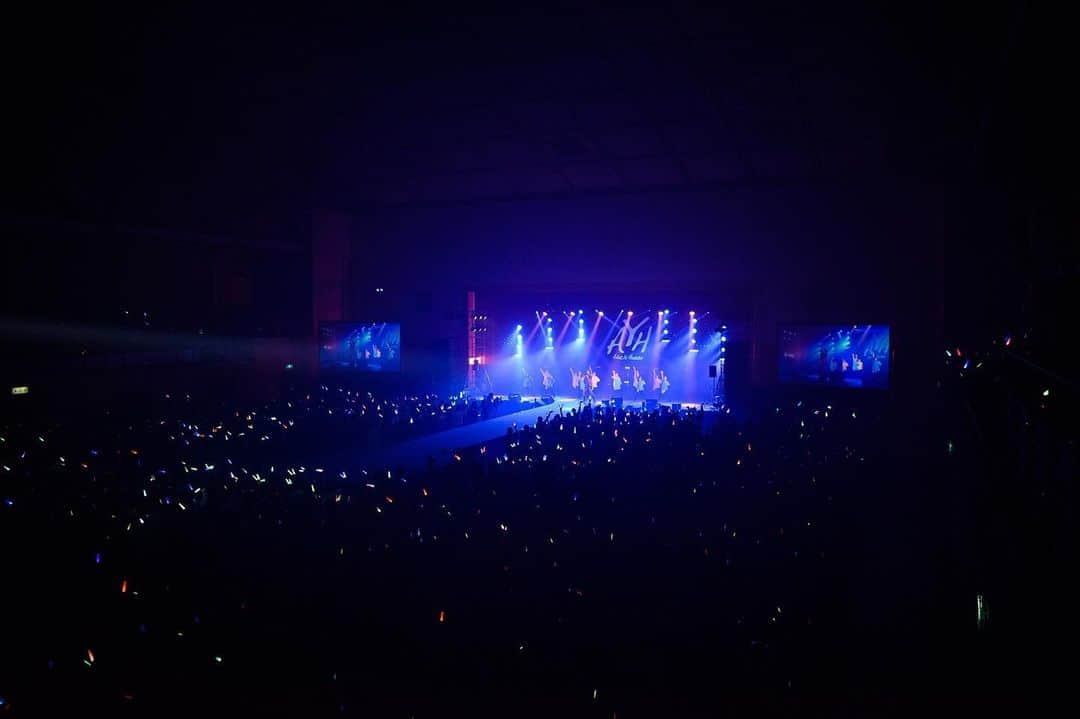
<point x="565" y="327"/>
<point x="539" y="324"/>
<point x="596" y="326"/>
<point x="614" y="325"/>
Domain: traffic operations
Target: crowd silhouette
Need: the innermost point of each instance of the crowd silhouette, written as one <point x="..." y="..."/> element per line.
<point x="601" y="562"/>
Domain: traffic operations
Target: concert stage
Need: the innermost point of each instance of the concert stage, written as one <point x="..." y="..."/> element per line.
<point x="655" y="354"/>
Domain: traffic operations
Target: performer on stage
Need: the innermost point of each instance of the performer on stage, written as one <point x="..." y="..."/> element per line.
<point x="592" y="381"/>
<point x="616" y="380"/>
<point x="660" y="381"/>
<point x="526" y="380"/>
<point x="547" y="379"/>
<point x="576" y="379"/>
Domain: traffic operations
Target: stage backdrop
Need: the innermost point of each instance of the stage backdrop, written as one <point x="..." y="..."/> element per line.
<point x="663" y="354"/>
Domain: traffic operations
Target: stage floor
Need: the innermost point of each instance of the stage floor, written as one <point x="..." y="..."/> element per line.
<point x="440" y="445"/>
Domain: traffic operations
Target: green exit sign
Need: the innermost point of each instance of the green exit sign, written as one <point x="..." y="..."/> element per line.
<point x="22" y="389"/>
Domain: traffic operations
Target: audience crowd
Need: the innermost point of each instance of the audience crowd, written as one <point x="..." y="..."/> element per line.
<point x="601" y="562"/>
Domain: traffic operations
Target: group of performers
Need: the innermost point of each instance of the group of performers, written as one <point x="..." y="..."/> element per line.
<point x="832" y="365"/>
<point x="364" y="347"/>
<point x="587" y="381"/>
<point x="360" y="346"/>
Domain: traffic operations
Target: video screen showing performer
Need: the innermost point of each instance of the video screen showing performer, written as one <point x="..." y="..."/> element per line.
<point x="855" y="356"/>
<point x="364" y="347"/>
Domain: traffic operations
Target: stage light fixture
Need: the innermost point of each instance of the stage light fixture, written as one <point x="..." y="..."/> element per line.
<point x="691" y="313"/>
<point x="601" y="312"/>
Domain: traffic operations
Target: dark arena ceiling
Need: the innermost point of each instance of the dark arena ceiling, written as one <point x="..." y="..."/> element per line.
<point x="218" y="118"/>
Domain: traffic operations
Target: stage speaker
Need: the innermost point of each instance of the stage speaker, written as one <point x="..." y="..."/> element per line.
<point x="712" y="371"/>
<point x="515" y="398"/>
<point x="676" y="406"/>
<point x="547" y="399"/>
<point x="651" y="404"/>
